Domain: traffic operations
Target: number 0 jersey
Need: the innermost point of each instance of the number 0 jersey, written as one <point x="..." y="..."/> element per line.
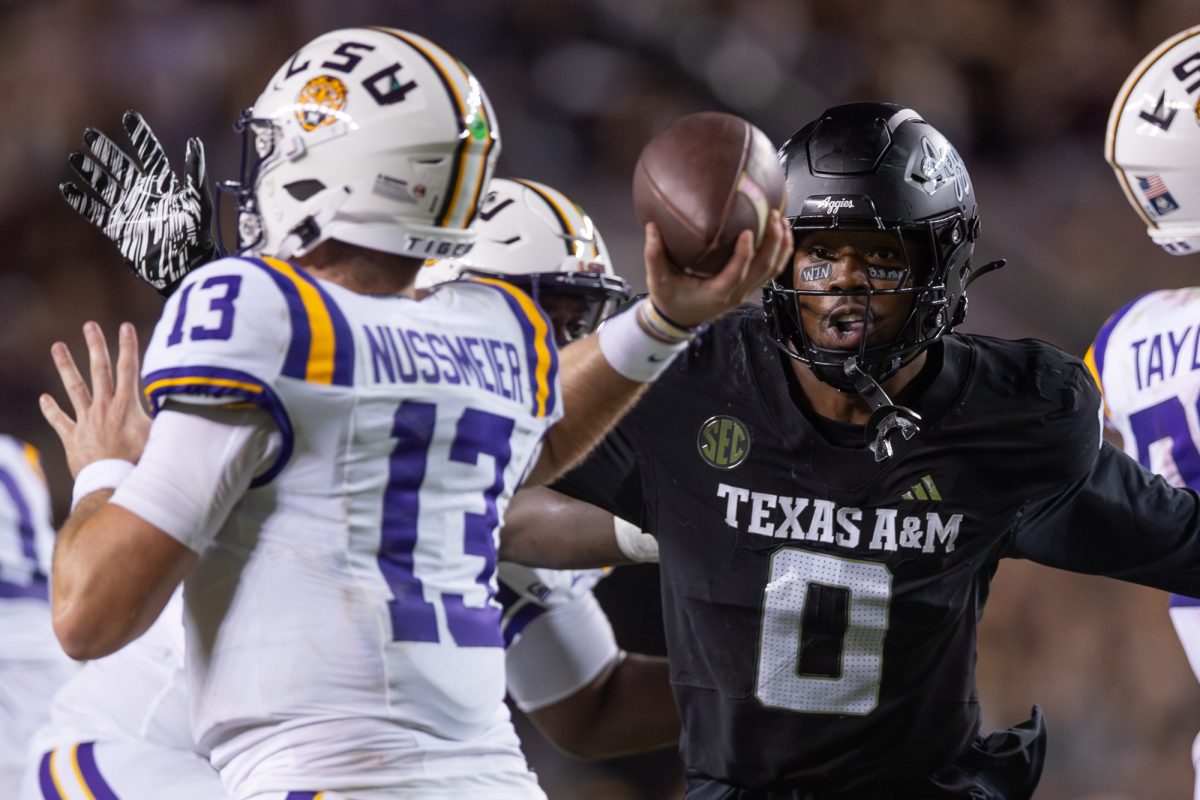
<point x="344" y="614"/>
<point x="821" y="607"/>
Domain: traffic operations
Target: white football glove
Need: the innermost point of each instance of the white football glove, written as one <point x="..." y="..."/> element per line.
<point x="160" y="225"/>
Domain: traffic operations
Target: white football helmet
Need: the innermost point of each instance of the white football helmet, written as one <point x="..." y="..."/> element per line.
<point x="1153" y="142"/>
<point x="535" y="237"/>
<point x="372" y="136"/>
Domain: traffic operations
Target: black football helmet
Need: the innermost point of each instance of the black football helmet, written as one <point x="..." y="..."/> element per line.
<point x="878" y="167"/>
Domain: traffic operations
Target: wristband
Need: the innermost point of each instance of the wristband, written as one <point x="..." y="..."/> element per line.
<point x="107" y="473"/>
<point x="632" y="350"/>
<point x="633" y="543"/>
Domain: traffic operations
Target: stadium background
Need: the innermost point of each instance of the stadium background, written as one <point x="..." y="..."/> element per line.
<point x="1023" y="88"/>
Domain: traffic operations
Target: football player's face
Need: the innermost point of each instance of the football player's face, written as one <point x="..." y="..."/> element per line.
<point x="846" y="264"/>
<point x="568" y="313"/>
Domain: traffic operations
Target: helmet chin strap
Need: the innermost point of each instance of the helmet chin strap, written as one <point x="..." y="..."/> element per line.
<point x="887" y="419"/>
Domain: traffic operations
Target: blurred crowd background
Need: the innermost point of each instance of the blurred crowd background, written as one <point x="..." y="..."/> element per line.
<point x="1023" y="88"/>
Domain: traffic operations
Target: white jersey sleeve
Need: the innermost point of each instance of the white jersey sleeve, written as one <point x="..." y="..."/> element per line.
<point x="557" y="637"/>
<point x="230" y="332"/>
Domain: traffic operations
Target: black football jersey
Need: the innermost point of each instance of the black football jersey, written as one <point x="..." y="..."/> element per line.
<point x="821" y="607"/>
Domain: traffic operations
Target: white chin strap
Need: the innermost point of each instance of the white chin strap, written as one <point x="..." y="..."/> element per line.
<point x="1176" y="241"/>
<point x="307" y="235"/>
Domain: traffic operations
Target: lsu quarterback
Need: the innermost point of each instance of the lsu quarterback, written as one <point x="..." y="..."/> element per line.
<point x="330" y="457"/>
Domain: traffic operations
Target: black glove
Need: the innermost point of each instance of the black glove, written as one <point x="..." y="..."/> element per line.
<point x="161" y="227"/>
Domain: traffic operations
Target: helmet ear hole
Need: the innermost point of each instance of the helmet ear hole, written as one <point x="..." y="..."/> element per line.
<point x="302" y="190"/>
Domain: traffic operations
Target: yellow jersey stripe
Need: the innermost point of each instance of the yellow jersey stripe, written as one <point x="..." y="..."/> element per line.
<point x="1089" y="360"/>
<point x="200" y="380"/>
<point x="322" y="343"/>
<point x="54" y="754"/>
<point x="87" y="791"/>
<point x="34" y="459"/>
<point x="541" y="335"/>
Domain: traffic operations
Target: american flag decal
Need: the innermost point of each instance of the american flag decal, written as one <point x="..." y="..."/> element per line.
<point x="1160" y="200"/>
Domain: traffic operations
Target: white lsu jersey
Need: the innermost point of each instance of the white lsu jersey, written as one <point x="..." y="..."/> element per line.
<point x="342" y="630"/>
<point x="26" y="546"/>
<point x="1146" y="360"/>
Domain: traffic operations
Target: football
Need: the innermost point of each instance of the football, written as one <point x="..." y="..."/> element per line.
<point x="703" y="180"/>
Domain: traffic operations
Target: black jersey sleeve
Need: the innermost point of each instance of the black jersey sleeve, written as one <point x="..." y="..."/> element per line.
<point x="609" y="478"/>
<point x="1119" y="520"/>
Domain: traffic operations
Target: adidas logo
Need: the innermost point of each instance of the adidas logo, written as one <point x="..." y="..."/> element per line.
<point x="923" y="489"/>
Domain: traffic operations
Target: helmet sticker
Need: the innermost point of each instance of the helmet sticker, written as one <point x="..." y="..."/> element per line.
<point x="319" y="101"/>
<point x="938" y="169"/>
<point x="1159" y="198"/>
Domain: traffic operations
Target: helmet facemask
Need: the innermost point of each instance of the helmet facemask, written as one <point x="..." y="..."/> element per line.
<point x="919" y="274"/>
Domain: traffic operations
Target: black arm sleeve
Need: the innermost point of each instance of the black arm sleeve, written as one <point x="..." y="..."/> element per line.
<point x="1119" y="520"/>
<point x="609" y="478"/>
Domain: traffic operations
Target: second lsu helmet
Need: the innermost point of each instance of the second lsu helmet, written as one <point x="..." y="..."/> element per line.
<point x="371" y="136"/>
<point x="536" y="238"/>
<point x="878" y="167"/>
<point x="1153" y="142"/>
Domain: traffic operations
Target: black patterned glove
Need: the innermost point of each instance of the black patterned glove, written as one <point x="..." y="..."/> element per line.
<point x="160" y="225"/>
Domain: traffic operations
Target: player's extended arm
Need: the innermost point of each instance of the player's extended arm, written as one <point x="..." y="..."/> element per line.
<point x="537" y="519"/>
<point x="628" y="708"/>
<point x="596" y="393"/>
<point x="113" y="572"/>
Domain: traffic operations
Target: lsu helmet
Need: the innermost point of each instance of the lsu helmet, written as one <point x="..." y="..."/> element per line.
<point x="536" y="238"/>
<point x="878" y="167"/>
<point x="1153" y="142"/>
<point x="371" y="136"/>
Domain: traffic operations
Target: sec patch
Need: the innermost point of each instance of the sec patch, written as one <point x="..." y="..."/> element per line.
<point x="723" y="442"/>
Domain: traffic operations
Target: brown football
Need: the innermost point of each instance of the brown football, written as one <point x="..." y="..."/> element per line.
<point x="703" y="181"/>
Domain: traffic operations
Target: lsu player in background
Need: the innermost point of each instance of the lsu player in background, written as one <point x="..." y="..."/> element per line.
<point x="350" y="450"/>
<point x="565" y="671"/>
<point x="1146" y="356"/>
<point x="32" y="665"/>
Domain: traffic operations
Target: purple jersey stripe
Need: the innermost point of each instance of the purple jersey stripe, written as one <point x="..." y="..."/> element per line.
<point x="343" y="353"/>
<point x="264" y="398"/>
<point x="301" y="795"/>
<point x="1100" y="348"/>
<point x="92" y="778"/>
<point x="1180" y="601"/>
<point x="295" y="364"/>
<point x="523" y="616"/>
<point x="46" y="780"/>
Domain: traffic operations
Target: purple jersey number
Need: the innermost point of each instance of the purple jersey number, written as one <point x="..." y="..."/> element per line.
<point x="231" y="286"/>
<point x="1167" y="420"/>
<point x="414" y="619"/>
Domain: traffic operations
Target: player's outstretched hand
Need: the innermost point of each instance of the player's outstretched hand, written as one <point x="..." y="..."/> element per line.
<point x="160" y="224"/>
<point x="110" y="420"/>
<point x="690" y="301"/>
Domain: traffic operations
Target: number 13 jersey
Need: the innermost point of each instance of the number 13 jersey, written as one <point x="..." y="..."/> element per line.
<point x="342" y="621"/>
